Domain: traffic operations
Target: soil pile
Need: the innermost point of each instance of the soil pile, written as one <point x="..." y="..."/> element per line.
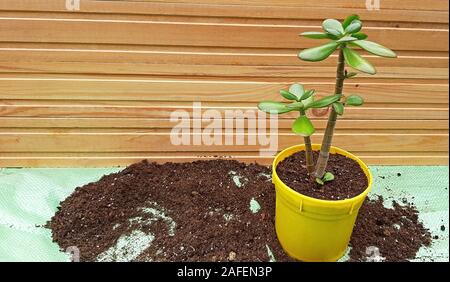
<point x="218" y="210"/>
<point x="387" y="234"/>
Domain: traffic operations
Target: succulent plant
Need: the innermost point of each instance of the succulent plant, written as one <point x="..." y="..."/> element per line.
<point x="346" y="38"/>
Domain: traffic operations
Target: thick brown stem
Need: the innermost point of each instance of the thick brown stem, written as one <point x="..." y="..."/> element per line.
<point x="309" y="156"/>
<point x="329" y="131"/>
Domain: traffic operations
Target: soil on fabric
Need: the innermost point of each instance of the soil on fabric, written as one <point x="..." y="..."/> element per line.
<point x="349" y="179"/>
<point x="394" y="234"/>
<point x="217" y="210"/>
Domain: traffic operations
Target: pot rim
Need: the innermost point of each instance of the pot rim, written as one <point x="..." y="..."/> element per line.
<point x="297" y="148"/>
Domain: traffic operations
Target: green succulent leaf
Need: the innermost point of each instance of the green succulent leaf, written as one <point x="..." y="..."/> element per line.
<point x="354" y="60"/>
<point x="347" y="39"/>
<point x="316" y="35"/>
<point x="327" y="177"/>
<point x="336" y="34"/>
<point x="308" y="94"/>
<point x="354" y="27"/>
<point x="375" y="48"/>
<point x="354" y="100"/>
<point x="288" y="95"/>
<point x="297" y="90"/>
<point x="349" y="20"/>
<point x="318" y="53"/>
<point x="306" y="102"/>
<point x="325" y="102"/>
<point x="333" y="27"/>
<point x="319" y="181"/>
<point x="296" y="105"/>
<point x="272" y="107"/>
<point x="360" y="35"/>
<point x="351" y="74"/>
<point x="339" y="108"/>
<point x="303" y="126"/>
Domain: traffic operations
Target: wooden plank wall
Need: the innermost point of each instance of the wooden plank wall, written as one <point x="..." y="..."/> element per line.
<point x="96" y="87"/>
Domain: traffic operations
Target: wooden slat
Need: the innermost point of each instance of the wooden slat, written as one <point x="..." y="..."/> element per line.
<point x="192" y="34"/>
<point x="123" y="159"/>
<point x="227" y="19"/>
<point x="387" y="4"/>
<point x="201" y="90"/>
<point x="190" y="7"/>
<point x="258" y="11"/>
<point x="211" y="70"/>
<point x="243" y="128"/>
<point x="14" y="53"/>
<point x="224" y="20"/>
<point x="152" y="142"/>
<point x="218" y="154"/>
<point x="127" y="109"/>
<point x="142" y="123"/>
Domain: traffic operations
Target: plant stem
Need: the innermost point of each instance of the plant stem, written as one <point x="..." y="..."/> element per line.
<point x="329" y="131"/>
<point x="309" y="156"/>
<point x="308" y="152"/>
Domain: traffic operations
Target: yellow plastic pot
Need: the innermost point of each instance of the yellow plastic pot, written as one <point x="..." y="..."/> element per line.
<point x="310" y="229"/>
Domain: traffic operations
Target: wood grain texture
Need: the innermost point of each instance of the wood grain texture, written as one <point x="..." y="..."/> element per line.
<point x="97" y="87"/>
<point x="410" y="11"/>
<point x="133" y="109"/>
<point x="60" y="141"/>
<point x="96" y="123"/>
<point x="112" y="159"/>
<point x="163" y="89"/>
<point x="193" y="34"/>
<point x="135" y="54"/>
<point x="286" y="72"/>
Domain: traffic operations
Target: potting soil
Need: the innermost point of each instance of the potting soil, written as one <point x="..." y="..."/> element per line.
<point x="30" y="197"/>
<point x="349" y="179"/>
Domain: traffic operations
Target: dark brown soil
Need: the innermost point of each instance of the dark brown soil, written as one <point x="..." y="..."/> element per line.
<point x="212" y="215"/>
<point x="395" y="234"/>
<point x="349" y="179"/>
<point x="211" y="212"/>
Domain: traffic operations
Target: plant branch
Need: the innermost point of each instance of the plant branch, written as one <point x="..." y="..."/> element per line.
<point x="309" y="156"/>
<point x="308" y="152"/>
<point x="332" y="118"/>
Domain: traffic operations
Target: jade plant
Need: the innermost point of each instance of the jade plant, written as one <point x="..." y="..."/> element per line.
<point x="347" y="39"/>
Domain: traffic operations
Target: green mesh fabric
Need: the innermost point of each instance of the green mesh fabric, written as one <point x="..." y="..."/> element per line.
<point x="29" y="197"/>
